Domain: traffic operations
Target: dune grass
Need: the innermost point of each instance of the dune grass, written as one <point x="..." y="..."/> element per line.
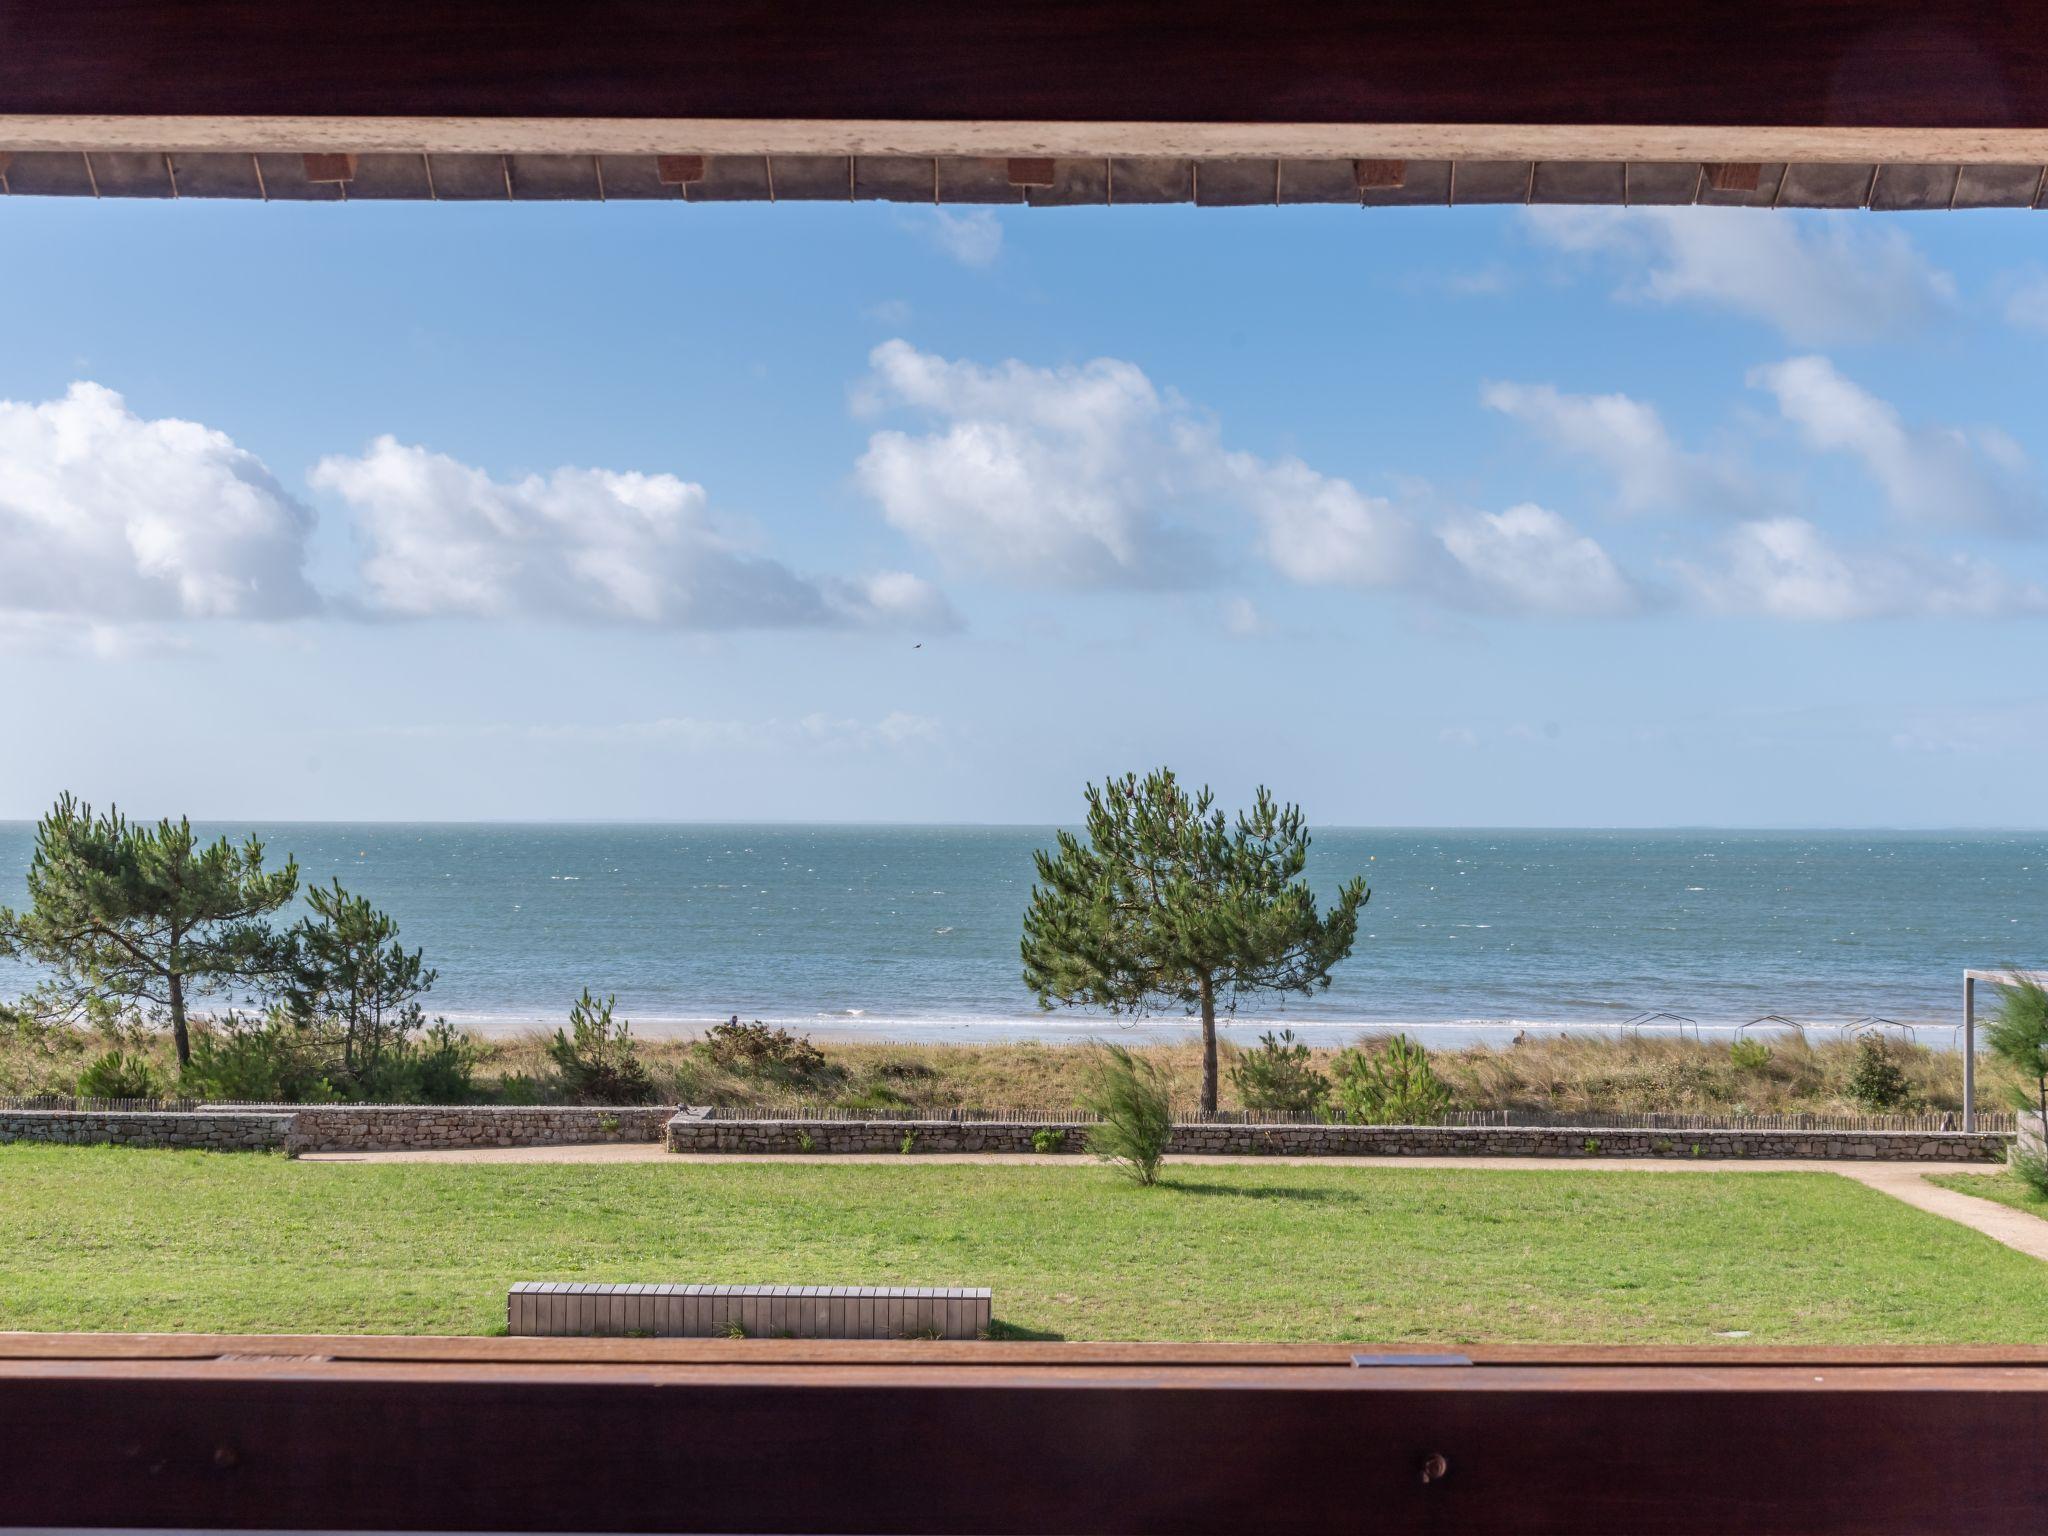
<point x="108" y="1238"/>
<point x="1568" y="1074"/>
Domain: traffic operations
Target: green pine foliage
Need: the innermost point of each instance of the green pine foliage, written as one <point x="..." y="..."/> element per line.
<point x="120" y="1074"/>
<point x="1167" y="903"/>
<point x="1279" y="1075"/>
<point x="123" y="914"/>
<point x="596" y="1060"/>
<point x="2018" y="1036"/>
<point x="1392" y="1085"/>
<point x="1126" y="1091"/>
<point x="352" y="982"/>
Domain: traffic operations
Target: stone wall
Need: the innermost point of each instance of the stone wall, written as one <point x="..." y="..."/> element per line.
<point x="339" y="1127"/>
<point x="2030" y="1138"/>
<point x="427" y="1128"/>
<point x="687" y="1133"/>
<point x="222" y="1131"/>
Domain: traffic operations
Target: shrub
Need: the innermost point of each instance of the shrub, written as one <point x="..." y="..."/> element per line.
<point x="1876" y="1080"/>
<point x="1048" y="1138"/>
<point x="1395" y="1085"/>
<point x="909" y="1143"/>
<point x="1279" y="1075"/>
<point x="1749" y="1055"/>
<point x="120" y="1074"/>
<point x="440" y="1069"/>
<point x="274" y="1062"/>
<point x="2031" y="1169"/>
<point x="1126" y="1092"/>
<point x="2019" y="1038"/>
<point x="596" y="1061"/>
<point x="518" y="1088"/>
<point x="758" y="1050"/>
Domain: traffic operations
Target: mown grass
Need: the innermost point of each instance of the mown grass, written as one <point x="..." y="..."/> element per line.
<point x="2005" y="1188"/>
<point x="106" y="1238"/>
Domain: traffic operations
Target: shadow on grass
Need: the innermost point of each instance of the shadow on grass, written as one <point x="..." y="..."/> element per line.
<point x="998" y="1329"/>
<point x="1246" y="1191"/>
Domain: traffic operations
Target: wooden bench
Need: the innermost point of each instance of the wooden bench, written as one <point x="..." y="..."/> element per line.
<point x="552" y="1309"/>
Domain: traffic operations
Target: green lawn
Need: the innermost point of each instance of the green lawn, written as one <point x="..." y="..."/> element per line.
<point x="2005" y="1188"/>
<point x="104" y="1238"/>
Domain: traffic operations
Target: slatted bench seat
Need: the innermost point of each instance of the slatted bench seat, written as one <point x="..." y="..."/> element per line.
<point x="553" y="1309"/>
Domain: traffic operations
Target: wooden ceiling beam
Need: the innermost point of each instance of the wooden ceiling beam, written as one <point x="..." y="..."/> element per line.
<point x="1803" y="64"/>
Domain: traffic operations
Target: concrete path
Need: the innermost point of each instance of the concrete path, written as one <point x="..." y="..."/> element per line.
<point x="651" y="1152"/>
<point x="1902" y="1181"/>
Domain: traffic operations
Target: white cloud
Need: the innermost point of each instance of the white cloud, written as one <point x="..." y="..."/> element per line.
<point x="1092" y="476"/>
<point x="1627" y="439"/>
<point x="444" y="539"/>
<point x="1787" y="568"/>
<point x="974" y="238"/>
<point x="1936" y="475"/>
<point x="1065" y="476"/>
<point x="1529" y="560"/>
<point x="1816" y="277"/>
<point x="1323" y="531"/>
<point x="112" y="519"/>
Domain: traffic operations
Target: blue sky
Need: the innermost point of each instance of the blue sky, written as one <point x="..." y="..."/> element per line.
<point x="1424" y="517"/>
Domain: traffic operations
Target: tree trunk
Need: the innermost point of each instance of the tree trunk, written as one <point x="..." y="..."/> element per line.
<point x="178" y="1033"/>
<point x="1208" y="1046"/>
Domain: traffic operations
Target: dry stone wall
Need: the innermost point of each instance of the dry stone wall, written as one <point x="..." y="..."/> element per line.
<point x="339" y="1128"/>
<point x="687" y="1133"/>
<point x="433" y="1128"/>
<point x="353" y="1128"/>
<point x="226" y="1131"/>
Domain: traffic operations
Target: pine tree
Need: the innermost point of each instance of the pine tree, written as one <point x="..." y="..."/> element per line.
<point x="1168" y="903"/>
<point x="125" y="913"/>
<point x="350" y="974"/>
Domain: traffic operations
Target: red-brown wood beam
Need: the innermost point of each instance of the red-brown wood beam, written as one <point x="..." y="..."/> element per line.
<point x="875" y="1443"/>
<point x="1845" y="63"/>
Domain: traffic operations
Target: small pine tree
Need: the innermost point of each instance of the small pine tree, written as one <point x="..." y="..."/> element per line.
<point x="1167" y="902"/>
<point x="124" y="913"/>
<point x="350" y="975"/>
<point x="1395" y="1085"/>
<point x="597" y="1059"/>
<point x="2018" y="1036"/>
<point x="1279" y="1074"/>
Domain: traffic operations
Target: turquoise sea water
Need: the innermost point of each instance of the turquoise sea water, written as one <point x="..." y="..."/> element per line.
<point x="912" y="931"/>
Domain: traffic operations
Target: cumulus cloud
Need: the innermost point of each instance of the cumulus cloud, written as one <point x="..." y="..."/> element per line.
<point x="1935" y="475"/>
<point x="1090" y="475"/>
<point x="1530" y="560"/>
<point x="445" y="539"/>
<point x="1320" y="530"/>
<point x="1787" y="568"/>
<point x="1064" y="476"/>
<point x="113" y="519"/>
<point x="1816" y="277"/>
<point x="1627" y="439"/>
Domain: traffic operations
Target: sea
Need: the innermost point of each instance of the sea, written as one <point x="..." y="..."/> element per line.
<point x="911" y="932"/>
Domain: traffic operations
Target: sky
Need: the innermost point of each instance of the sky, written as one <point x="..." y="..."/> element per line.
<point x="1424" y="517"/>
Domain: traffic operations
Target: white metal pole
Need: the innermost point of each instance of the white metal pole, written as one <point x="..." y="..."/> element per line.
<point x="1969" y="1052"/>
